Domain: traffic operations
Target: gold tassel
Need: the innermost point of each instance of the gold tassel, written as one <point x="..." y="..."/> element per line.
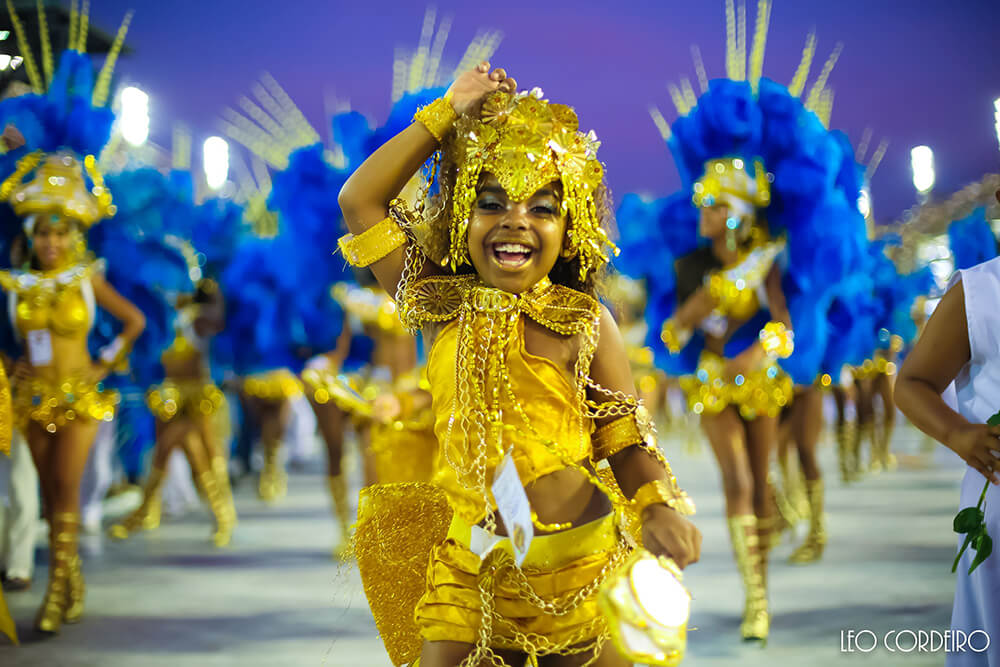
<point x="22" y="45"/>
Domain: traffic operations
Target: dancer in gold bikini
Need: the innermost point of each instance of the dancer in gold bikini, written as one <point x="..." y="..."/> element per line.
<point x="58" y="395"/>
<point x="185" y="406"/>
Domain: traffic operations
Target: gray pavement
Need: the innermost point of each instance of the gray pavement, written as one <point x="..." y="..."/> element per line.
<point x="277" y="598"/>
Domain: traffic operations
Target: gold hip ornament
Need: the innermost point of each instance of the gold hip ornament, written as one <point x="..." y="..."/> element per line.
<point x="647" y="610"/>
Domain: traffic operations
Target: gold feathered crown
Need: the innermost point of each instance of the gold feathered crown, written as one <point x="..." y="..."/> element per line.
<point x="58" y="188"/>
<point x="525" y="142"/>
<point x="728" y="181"/>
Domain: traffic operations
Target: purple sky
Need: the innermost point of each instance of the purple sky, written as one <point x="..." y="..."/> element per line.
<point x="916" y="71"/>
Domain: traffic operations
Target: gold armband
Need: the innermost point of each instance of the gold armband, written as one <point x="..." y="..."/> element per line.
<point x="662" y="492"/>
<point x="615" y="436"/>
<point x="373" y="244"/>
<point x="673" y="336"/>
<point x="437" y="117"/>
<point x="777" y="340"/>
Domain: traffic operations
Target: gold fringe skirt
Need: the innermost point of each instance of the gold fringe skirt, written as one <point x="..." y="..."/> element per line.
<point x="192" y="398"/>
<point x="54" y="404"/>
<point x="276" y="385"/>
<point x="763" y="392"/>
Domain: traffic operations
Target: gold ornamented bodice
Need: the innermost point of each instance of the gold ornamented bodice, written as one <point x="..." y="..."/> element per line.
<point x="61" y="302"/>
<point x="185" y="345"/>
<point x="735" y="288"/>
<point x="490" y="395"/>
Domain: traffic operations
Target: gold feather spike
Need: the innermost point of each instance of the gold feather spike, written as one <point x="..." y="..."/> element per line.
<point x="660" y="122"/>
<point x="678" y="98"/>
<point x="74" y="19"/>
<point x="181" y="158"/>
<point x="84" y="28"/>
<point x="418" y="64"/>
<point x="437" y="50"/>
<point x="820" y="84"/>
<point x="876" y="160"/>
<point x="399" y="70"/>
<point x="22" y="45"/>
<point x="43" y="37"/>
<point x="310" y="135"/>
<point x="798" y="83"/>
<point x="759" y="41"/>
<point x="741" y="40"/>
<point x="688" y="92"/>
<point x="103" y="85"/>
<point x="699" y="68"/>
<point x="482" y="47"/>
<point x="824" y="107"/>
<point x="862" y="150"/>
<point x="732" y="68"/>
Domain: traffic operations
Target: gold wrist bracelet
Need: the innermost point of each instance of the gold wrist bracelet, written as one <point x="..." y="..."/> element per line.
<point x="659" y="492"/>
<point x="373" y="244"/>
<point x="437" y="117"/>
<point x="777" y="340"/>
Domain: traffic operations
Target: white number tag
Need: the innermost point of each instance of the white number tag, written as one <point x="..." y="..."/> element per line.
<point x="40" y="347"/>
<point x="512" y="503"/>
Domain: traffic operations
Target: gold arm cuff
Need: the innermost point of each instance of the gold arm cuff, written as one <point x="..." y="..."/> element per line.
<point x="373" y="244"/>
<point x="674" y="337"/>
<point x="778" y="341"/>
<point x="661" y="492"/>
<point x="615" y="436"/>
<point x="437" y="117"/>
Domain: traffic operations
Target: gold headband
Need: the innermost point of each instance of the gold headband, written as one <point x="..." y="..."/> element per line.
<point x="526" y="142"/>
<point x="727" y="181"/>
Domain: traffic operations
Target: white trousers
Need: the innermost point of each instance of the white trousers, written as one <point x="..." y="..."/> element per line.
<point x="19" y="510"/>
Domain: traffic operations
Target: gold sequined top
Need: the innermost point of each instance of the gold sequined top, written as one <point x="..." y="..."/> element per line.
<point x="735" y="288"/>
<point x="186" y="345"/>
<point x="490" y="395"/>
<point x="61" y="301"/>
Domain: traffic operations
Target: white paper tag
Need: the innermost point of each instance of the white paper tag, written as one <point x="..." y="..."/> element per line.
<point x="514" y="508"/>
<point x="40" y="347"/>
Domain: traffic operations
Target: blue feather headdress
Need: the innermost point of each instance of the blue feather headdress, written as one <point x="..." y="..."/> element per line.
<point x="814" y="185"/>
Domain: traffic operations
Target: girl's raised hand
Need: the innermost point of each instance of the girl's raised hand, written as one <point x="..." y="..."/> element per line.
<point x="470" y="88"/>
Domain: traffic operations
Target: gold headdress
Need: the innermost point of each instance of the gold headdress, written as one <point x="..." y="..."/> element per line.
<point x="728" y="181"/>
<point x="58" y="184"/>
<point x="58" y="188"/>
<point x="526" y="142"/>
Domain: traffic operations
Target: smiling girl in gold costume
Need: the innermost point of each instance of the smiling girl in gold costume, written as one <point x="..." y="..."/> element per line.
<point x="523" y="364"/>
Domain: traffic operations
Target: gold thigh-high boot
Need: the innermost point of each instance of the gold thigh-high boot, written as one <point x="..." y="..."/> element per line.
<point x="886" y="458"/>
<point x="855" y="435"/>
<point x="746" y="548"/>
<point x="220" y="504"/>
<point x="341" y="507"/>
<point x="843" y="451"/>
<point x="147" y="515"/>
<point x="62" y="559"/>
<point x="221" y="469"/>
<point x="870" y="434"/>
<point x="273" y="479"/>
<point x="811" y="549"/>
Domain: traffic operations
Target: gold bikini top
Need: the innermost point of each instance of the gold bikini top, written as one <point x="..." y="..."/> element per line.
<point x="62" y="301"/>
<point x="490" y="395"/>
<point x="185" y="345"/>
<point x="735" y="288"/>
